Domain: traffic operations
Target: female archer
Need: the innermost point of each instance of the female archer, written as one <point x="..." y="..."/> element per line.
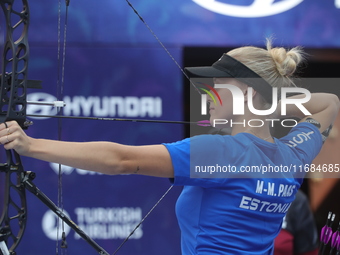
<point x="235" y="212"/>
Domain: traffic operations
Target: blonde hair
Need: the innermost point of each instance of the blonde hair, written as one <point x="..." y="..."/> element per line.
<point x="275" y="65"/>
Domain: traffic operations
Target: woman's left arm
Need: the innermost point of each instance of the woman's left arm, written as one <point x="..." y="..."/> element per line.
<point x="104" y="157"/>
<point x="323" y="107"/>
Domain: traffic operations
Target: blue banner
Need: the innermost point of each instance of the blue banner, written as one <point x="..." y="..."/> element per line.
<point x="310" y="23"/>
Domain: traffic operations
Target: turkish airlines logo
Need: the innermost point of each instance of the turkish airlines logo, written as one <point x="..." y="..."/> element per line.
<point x="52" y="225"/>
<point x="259" y="8"/>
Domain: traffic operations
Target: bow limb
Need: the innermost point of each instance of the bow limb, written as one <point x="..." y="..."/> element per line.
<point x="13" y="107"/>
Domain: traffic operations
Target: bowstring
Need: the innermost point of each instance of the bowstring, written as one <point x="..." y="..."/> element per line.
<point x="141" y="222"/>
<point x="58" y="85"/>
<point x="162" y="45"/>
<point x="61" y="57"/>
<point x="183" y="72"/>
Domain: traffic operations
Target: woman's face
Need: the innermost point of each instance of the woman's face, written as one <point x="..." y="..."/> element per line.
<point x="224" y="111"/>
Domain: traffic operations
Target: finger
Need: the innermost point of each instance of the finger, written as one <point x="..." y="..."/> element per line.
<point x="5" y="129"/>
<point x="7" y="124"/>
<point x="2" y="130"/>
<point x="3" y="126"/>
<point x="11" y="127"/>
<point x="8" y="142"/>
<point x="5" y="139"/>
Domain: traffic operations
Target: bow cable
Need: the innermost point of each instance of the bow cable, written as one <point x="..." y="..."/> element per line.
<point x="60" y="93"/>
<point x="170" y="55"/>
<point x="162" y="45"/>
<point x="140" y="223"/>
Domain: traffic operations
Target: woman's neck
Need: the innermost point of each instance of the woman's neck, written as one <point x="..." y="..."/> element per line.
<point x="255" y="125"/>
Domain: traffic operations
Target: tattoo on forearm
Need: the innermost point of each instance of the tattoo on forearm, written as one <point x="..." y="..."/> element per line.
<point x="137" y="170"/>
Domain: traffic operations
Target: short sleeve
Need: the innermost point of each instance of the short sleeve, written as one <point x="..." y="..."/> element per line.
<point x="305" y="139"/>
<point x="180" y="157"/>
<point x="203" y="148"/>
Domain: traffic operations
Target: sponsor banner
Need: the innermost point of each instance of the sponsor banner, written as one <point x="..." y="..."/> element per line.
<point x="138" y="83"/>
<point x="311" y="23"/>
<point x="107" y="106"/>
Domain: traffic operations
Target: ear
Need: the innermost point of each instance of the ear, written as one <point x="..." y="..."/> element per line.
<point x="247" y="90"/>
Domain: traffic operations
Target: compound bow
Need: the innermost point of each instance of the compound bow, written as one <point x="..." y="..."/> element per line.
<point x="13" y="104"/>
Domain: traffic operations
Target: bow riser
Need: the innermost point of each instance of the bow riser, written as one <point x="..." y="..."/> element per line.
<point x="13" y="107"/>
<point x="15" y="56"/>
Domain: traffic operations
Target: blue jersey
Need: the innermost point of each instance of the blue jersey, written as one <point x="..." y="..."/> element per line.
<point x="232" y="207"/>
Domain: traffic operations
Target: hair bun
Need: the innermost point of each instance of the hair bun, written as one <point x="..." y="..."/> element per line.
<point x="286" y="61"/>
